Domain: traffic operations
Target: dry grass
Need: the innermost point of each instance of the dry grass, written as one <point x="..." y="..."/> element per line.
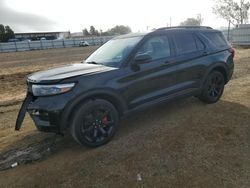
<point x="182" y="144"/>
<point x="14" y="67"/>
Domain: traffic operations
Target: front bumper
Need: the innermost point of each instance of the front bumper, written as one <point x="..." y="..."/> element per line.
<point x="46" y="121"/>
<point x="46" y="112"/>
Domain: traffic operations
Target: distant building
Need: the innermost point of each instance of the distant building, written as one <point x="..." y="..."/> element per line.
<point x="42" y="35"/>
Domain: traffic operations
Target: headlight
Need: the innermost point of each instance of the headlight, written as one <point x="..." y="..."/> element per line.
<point x="45" y="90"/>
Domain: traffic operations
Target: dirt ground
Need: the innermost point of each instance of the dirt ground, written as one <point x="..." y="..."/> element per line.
<point x="180" y="144"/>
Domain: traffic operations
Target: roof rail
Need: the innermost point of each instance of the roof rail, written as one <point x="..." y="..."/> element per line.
<point x="184" y="27"/>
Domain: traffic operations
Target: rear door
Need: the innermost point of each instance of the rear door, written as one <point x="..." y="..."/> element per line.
<point x="189" y="61"/>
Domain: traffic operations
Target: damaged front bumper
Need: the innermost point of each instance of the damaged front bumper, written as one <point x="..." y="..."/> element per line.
<point x="22" y="111"/>
<point x="45" y="121"/>
<point x="46" y="112"/>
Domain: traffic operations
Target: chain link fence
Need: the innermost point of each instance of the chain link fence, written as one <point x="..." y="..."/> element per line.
<point x="239" y="36"/>
<point x="48" y="44"/>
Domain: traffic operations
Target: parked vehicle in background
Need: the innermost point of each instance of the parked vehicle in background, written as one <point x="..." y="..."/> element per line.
<point x="128" y="73"/>
<point x="83" y="43"/>
<point x="13" y="40"/>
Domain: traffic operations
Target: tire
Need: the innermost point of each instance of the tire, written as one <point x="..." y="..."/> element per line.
<point x="213" y="88"/>
<point x="94" y="123"/>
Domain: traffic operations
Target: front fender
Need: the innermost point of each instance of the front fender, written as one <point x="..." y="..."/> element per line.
<point x="97" y="93"/>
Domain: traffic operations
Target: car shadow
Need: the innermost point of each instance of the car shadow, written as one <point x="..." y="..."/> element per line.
<point x="183" y="110"/>
<point x="170" y="115"/>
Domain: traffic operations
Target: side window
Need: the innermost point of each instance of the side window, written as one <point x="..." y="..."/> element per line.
<point x="217" y="39"/>
<point x="199" y="44"/>
<point x="185" y="43"/>
<point x="157" y="47"/>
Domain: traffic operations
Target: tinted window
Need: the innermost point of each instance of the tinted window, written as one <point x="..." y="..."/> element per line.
<point x="185" y="43"/>
<point x="217" y="39"/>
<point x="157" y="47"/>
<point x="199" y="44"/>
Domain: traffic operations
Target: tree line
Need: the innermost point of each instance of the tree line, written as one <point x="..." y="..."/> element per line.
<point x="6" y="33"/>
<point x="117" y="30"/>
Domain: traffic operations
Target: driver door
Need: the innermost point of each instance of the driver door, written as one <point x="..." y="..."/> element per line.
<point x="155" y="79"/>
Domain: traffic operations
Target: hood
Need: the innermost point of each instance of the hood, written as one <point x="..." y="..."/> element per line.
<point x="57" y="74"/>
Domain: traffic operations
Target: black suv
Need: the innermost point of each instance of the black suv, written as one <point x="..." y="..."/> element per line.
<point x="125" y="74"/>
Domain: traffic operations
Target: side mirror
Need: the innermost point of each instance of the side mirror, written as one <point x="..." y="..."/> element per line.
<point x="142" y="58"/>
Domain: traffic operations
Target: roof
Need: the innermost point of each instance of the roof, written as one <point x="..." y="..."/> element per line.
<point x="184" y="27"/>
<point x="164" y="29"/>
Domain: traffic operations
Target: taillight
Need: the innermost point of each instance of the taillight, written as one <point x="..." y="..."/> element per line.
<point x="232" y="51"/>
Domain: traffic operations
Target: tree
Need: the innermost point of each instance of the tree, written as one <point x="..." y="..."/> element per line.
<point x="117" y="30"/>
<point x="9" y="33"/>
<point x="232" y="11"/>
<point x="192" y="21"/>
<point x="93" y="31"/>
<point x="85" y="32"/>
<point x="97" y="33"/>
<point x="6" y="33"/>
<point x="2" y="33"/>
<point x="120" y="30"/>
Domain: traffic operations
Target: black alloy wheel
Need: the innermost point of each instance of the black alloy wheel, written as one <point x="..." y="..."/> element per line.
<point x="95" y="123"/>
<point x="213" y="87"/>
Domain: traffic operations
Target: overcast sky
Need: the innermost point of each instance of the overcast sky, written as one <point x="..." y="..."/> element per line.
<point x="75" y="15"/>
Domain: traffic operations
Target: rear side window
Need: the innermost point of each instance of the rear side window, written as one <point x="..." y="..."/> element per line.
<point x="185" y="43"/>
<point x="199" y="44"/>
<point x="216" y="38"/>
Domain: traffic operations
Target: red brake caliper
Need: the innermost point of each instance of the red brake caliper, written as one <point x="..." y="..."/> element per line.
<point x="105" y="120"/>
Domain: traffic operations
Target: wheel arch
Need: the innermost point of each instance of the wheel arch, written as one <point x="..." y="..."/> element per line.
<point x="109" y="95"/>
<point x="221" y="67"/>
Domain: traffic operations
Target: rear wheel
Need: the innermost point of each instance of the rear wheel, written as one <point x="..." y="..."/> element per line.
<point x="94" y="123"/>
<point x="213" y="88"/>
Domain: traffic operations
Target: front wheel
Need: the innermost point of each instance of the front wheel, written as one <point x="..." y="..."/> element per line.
<point x="94" y="123"/>
<point x="213" y="88"/>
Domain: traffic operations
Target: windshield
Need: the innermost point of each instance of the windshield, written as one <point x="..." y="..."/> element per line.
<point x="114" y="51"/>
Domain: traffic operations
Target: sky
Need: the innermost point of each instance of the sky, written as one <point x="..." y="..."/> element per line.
<point x="75" y="15"/>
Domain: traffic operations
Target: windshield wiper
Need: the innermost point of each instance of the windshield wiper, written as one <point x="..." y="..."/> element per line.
<point x="93" y="62"/>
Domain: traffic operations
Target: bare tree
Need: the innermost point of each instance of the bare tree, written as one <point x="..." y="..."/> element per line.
<point x="234" y="12"/>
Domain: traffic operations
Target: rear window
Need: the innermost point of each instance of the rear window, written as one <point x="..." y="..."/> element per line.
<point x="217" y="39"/>
<point x="186" y="43"/>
